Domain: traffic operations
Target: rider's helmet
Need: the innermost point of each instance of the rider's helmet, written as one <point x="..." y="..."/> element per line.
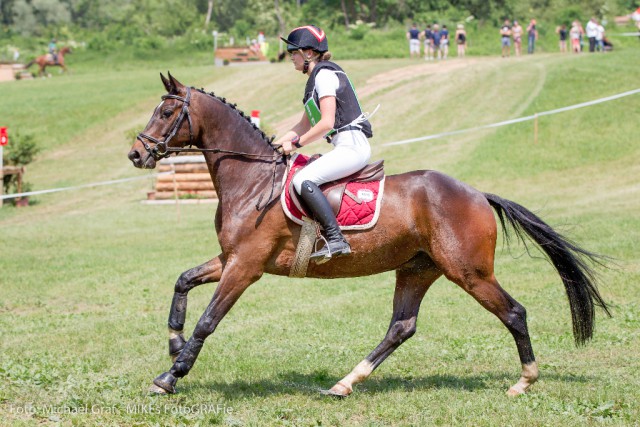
<point x="54" y="41"/>
<point x="307" y="37"/>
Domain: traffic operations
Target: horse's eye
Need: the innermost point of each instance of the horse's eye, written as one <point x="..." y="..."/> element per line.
<point x="167" y="113"/>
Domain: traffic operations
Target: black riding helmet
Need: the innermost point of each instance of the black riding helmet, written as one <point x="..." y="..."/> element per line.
<point x="307" y="37"/>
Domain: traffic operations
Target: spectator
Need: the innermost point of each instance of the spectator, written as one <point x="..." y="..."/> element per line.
<point x="436" y="37"/>
<point x="461" y="40"/>
<point x="428" y="44"/>
<point x="444" y="42"/>
<point x="413" y="35"/>
<point x="532" y="34"/>
<point x="600" y="38"/>
<point x="574" y="36"/>
<point x="505" y="35"/>
<point x="516" y="32"/>
<point x="581" y="36"/>
<point x="562" y="33"/>
<point x="592" y="32"/>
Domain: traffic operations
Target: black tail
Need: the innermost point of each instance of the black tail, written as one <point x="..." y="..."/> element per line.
<point x="572" y="263"/>
<point x="30" y="64"/>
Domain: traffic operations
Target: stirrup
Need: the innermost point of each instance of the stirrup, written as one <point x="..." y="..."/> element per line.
<point x="326" y="253"/>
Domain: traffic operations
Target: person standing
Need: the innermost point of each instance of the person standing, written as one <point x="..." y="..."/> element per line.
<point x="562" y="33"/>
<point x="574" y="36"/>
<point x="592" y="33"/>
<point x="428" y="44"/>
<point x="331" y="110"/>
<point x="516" y="32"/>
<point x="532" y="34"/>
<point x="600" y="38"/>
<point x="505" y="37"/>
<point x="444" y="42"/>
<point x="413" y="35"/>
<point x="436" y="37"/>
<point x="461" y="40"/>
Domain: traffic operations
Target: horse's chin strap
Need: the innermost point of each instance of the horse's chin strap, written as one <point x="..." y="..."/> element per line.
<point x="161" y="148"/>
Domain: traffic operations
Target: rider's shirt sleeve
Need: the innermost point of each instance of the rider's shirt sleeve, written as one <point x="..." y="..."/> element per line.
<point x="327" y="83"/>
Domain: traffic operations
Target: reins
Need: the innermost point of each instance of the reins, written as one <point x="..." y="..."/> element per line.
<point x="162" y="150"/>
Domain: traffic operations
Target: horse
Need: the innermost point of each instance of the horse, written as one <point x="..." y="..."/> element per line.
<point x="47" y="60"/>
<point x="430" y="225"/>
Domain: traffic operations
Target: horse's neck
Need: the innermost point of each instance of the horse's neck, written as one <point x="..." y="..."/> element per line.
<point x="236" y="177"/>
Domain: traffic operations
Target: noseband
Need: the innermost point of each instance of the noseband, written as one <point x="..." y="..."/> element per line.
<point x="161" y="148"/>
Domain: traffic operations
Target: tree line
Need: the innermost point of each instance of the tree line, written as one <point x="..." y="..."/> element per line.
<point x="169" y="18"/>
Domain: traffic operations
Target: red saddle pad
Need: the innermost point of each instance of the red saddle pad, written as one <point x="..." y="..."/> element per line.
<point x="352" y="215"/>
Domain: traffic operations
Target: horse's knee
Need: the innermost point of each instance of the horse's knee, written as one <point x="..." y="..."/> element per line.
<point x="182" y="285"/>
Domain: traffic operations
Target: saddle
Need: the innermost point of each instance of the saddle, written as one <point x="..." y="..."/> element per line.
<point x="334" y="191"/>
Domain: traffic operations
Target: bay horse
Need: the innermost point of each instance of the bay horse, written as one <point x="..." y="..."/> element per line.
<point x="46" y="60"/>
<point x="430" y="225"/>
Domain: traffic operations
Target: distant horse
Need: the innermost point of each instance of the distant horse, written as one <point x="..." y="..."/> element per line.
<point x="46" y="60"/>
<point x="430" y="225"/>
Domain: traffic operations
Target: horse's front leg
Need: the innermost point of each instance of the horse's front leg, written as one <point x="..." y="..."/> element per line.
<point x="236" y="278"/>
<point x="208" y="272"/>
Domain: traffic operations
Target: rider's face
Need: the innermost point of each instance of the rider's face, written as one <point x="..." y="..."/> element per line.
<point x="298" y="57"/>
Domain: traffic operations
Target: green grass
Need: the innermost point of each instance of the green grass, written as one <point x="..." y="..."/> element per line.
<point x="87" y="276"/>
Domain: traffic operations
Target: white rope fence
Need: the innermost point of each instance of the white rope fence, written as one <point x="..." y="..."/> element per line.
<point x="405" y="141"/>
<point x="512" y="121"/>
<point x="78" y="187"/>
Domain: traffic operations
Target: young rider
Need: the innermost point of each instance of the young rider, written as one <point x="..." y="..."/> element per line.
<point x="332" y="111"/>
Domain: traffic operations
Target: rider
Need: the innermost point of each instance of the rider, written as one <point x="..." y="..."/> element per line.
<point x="53" y="50"/>
<point x="331" y="111"/>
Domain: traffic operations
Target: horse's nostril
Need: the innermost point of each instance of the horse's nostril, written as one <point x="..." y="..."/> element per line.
<point x="134" y="155"/>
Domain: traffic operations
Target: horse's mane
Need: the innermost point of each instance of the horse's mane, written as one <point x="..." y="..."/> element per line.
<point x="241" y="113"/>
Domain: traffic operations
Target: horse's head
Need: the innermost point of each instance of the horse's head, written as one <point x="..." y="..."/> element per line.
<point x="170" y="126"/>
<point x="65" y="50"/>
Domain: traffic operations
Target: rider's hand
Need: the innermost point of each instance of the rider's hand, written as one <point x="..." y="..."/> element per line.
<point x="287" y="146"/>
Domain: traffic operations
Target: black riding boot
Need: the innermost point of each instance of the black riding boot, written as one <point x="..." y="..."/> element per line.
<point x="319" y="206"/>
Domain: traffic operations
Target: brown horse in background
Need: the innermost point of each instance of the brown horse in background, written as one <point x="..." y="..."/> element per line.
<point x="46" y="60"/>
<point x="430" y="225"/>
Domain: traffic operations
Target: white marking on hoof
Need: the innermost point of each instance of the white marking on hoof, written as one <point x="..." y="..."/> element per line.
<point x="157" y="390"/>
<point x="528" y="377"/>
<point x="338" y="390"/>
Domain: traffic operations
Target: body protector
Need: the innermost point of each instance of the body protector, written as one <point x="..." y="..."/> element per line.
<point x="348" y="112"/>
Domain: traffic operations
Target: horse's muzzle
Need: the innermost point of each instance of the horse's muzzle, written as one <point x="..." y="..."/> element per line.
<point x="141" y="160"/>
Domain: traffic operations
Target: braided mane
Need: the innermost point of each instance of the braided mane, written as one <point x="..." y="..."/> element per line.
<point x="264" y="136"/>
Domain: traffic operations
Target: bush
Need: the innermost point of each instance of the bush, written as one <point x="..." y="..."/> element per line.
<point x="20" y="152"/>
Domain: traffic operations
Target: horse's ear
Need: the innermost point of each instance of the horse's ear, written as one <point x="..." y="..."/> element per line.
<point x="175" y="84"/>
<point x="165" y="82"/>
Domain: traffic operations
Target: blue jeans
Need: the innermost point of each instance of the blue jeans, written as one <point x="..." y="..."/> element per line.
<point x="532" y="42"/>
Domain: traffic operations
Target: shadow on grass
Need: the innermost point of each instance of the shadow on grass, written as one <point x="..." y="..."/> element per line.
<point x="294" y="383"/>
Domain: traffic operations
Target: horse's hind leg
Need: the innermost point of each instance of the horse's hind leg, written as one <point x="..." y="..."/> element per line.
<point x="412" y="282"/>
<point x="491" y="296"/>
<point x="208" y="272"/>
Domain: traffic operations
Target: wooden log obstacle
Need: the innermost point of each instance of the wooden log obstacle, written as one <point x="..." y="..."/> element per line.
<point x="190" y="179"/>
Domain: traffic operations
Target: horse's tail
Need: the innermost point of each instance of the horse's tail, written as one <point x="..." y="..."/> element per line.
<point x="30" y="64"/>
<point x="572" y="263"/>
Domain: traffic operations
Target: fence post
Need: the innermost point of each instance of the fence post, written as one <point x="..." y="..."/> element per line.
<point x="535" y="128"/>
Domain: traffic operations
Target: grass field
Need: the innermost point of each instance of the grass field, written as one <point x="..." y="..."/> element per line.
<point x="87" y="276"/>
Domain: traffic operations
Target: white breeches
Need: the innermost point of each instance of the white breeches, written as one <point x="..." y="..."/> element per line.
<point x="351" y="153"/>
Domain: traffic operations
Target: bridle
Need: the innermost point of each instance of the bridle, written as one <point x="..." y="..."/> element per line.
<point x="161" y="149"/>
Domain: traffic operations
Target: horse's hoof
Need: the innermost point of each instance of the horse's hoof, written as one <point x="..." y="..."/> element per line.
<point x="154" y="389"/>
<point x="166" y="382"/>
<point x="339" y="390"/>
<point x="513" y="392"/>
